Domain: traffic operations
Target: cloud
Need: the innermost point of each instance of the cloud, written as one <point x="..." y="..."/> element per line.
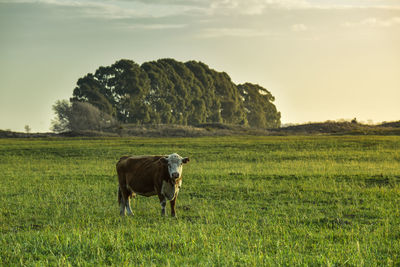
<point x="197" y="11"/>
<point x="254" y="7"/>
<point x="113" y="9"/>
<point x="258" y="7"/>
<point x="299" y="28"/>
<point x="231" y="32"/>
<point x="154" y="26"/>
<point x="117" y="9"/>
<point x="374" y="22"/>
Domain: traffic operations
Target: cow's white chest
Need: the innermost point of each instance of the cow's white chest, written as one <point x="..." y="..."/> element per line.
<point x="170" y="190"/>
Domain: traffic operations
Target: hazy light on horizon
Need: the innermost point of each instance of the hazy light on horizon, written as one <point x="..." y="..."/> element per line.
<point x="322" y="61"/>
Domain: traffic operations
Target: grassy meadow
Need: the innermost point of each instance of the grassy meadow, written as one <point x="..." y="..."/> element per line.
<point x="245" y="201"/>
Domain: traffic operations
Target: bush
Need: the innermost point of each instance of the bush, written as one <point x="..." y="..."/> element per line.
<point x="80" y="116"/>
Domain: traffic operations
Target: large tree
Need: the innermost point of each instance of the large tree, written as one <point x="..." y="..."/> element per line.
<point x="168" y="91"/>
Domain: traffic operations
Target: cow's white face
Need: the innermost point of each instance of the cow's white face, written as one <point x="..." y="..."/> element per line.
<point x="175" y="162"/>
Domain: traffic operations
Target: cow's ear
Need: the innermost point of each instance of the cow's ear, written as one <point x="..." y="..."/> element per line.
<point x="185" y="160"/>
<point x="164" y="160"/>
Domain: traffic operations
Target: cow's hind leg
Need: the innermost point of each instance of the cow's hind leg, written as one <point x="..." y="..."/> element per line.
<point x="123" y="199"/>
<point x="121" y="202"/>
<point x="128" y="204"/>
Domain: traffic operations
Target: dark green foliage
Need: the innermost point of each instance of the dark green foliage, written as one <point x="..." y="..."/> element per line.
<point x="168" y="91"/>
<point x="261" y="112"/>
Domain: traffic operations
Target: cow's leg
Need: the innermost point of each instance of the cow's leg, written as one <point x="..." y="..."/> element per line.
<point x="121" y="202"/>
<point x="172" y="202"/>
<point x="123" y="192"/>
<point x="128" y="205"/>
<point x="125" y="200"/>
<point x="163" y="203"/>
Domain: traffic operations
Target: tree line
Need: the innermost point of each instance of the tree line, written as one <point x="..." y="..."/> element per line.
<point x="167" y="91"/>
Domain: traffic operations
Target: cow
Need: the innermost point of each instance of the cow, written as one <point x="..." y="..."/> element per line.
<point x="149" y="176"/>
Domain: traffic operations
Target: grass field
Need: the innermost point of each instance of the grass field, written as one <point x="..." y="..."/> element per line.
<point x="245" y="201"/>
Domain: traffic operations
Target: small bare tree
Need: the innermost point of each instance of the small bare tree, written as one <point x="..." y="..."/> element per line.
<point x="63" y="110"/>
<point x="79" y="116"/>
<point x="27" y="129"/>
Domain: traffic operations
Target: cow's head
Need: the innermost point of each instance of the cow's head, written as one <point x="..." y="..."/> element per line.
<point x="174" y="163"/>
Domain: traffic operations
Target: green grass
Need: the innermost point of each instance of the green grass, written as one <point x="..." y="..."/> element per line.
<point x="245" y="201"/>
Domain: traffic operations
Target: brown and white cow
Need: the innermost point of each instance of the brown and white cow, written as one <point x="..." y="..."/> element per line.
<point x="149" y="176"/>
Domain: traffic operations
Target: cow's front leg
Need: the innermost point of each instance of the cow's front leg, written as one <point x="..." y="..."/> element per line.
<point x="172" y="202"/>
<point x="163" y="203"/>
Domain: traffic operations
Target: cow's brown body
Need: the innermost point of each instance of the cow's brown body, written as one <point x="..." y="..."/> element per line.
<point x="146" y="176"/>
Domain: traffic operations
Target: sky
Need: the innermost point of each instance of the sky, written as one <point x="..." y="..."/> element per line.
<point x="321" y="59"/>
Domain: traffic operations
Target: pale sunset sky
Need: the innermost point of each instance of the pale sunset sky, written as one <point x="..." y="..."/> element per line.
<point x="321" y="59"/>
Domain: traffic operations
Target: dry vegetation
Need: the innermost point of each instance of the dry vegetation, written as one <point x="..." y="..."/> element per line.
<point x="220" y="129"/>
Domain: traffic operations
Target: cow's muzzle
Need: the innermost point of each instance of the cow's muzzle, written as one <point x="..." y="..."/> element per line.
<point x="174" y="175"/>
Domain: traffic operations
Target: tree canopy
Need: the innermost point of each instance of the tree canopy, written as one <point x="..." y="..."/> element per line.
<point x="168" y="91"/>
